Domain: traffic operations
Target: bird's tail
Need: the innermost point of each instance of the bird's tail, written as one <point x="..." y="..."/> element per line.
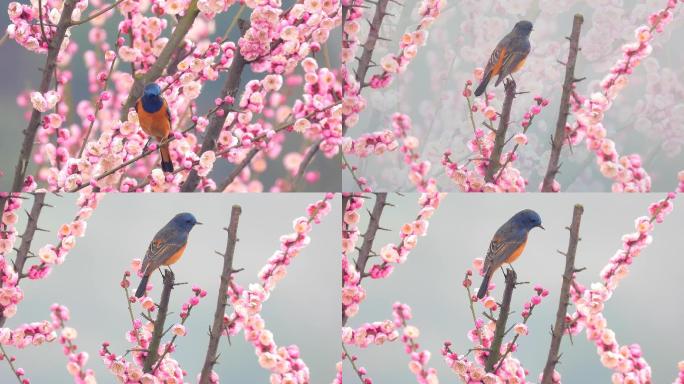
<point x="483" y="84"/>
<point x="166" y="164"/>
<point x="142" y="287"/>
<point x="483" y="288"/>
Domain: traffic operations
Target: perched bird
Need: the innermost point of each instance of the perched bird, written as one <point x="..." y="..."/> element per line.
<point x="508" y="244"/>
<point x="508" y="56"/>
<point x="167" y="247"/>
<point x="155" y="120"/>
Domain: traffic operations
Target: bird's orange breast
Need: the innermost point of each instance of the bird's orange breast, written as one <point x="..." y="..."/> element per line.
<point x="515" y="254"/>
<point x="175" y="257"/>
<point x="519" y="66"/>
<point x="156" y="123"/>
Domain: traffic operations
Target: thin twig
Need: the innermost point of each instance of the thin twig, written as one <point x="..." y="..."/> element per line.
<point x="306" y="161"/>
<point x="568" y="85"/>
<point x="11" y="364"/>
<point x="353" y="364"/>
<point x="564" y="300"/>
<point x="96" y="14"/>
<point x="237" y="170"/>
<point x="222" y="300"/>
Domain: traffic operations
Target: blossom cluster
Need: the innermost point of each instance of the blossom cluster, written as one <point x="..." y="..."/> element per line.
<point x="627" y="361"/>
<point x="418" y="168"/>
<point x="508" y="369"/>
<point x="166" y="369"/>
<point x="391" y="254"/>
<point x="627" y="172"/>
<point x="380" y="332"/>
<point x="419" y="359"/>
<point x="49" y="255"/>
<point x="38" y="333"/>
<point x="481" y="146"/>
<point x="284" y="363"/>
<point x="353" y="102"/>
<point x="391" y="64"/>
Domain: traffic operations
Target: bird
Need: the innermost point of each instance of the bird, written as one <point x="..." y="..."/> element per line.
<point x="155" y="120"/>
<point x="508" y="56"/>
<point x="508" y="244"/>
<point x="166" y="247"/>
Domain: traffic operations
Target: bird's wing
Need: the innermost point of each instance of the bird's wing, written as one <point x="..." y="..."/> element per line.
<point x="511" y="61"/>
<point x="168" y="112"/>
<point x="503" y="244"/>
<point x="497" y="56"/>
<point x="165" y="244"/>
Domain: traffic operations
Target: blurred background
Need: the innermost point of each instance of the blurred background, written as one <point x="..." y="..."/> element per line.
<point x="646" y="118"/>
<point x="303" y="309"/>
<point x="643" y="309"/>
<point x="20" y="71"/>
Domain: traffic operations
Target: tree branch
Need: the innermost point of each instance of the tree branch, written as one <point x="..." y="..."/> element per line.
<point x="27" y="239"/>
<point x="500" y="141"/>
<point x="306" y="161"/>
<point x="96" y="14"/>
<point x="184" y="25"/>
<point x="564" y="300"/>
<point x="48" y="71"/>
<point x="369" y="237"/>
<point x="226" y="276"/>
<point x="230" y="88"/>
<point x="153" y="349"/>
<point x="237" y="170"/>
<point x="495" y="353"/>
<point x="568" y="85"/>
<point x="368" y="46"/>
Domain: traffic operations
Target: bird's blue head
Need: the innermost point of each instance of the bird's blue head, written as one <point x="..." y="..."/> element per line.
<point x="185" y="221"/>
<point x="151" y="99"/>
<point x="528" y="219"/>
<point x="523" y="27"/>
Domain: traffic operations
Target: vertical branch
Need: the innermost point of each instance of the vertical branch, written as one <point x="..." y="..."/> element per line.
<point x="495" y="350"/>
<point x="27" y="239"/>
<point x="564" y="110"/>
<point x="500" y="141"/>
<point x="369" y="237"/>
<point x="182" y="28"/>
<point x="369" y="45"/>
<point x="48" y="71"/>
<point x="153" y="349"/>
<point x="226" y="276"/>
<point x="230" y="88"/>
<point x="564" y="300"/>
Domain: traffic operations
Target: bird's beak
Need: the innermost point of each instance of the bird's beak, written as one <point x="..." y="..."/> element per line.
<point x="198" y="223"/>
<point x="542" y="227"/>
